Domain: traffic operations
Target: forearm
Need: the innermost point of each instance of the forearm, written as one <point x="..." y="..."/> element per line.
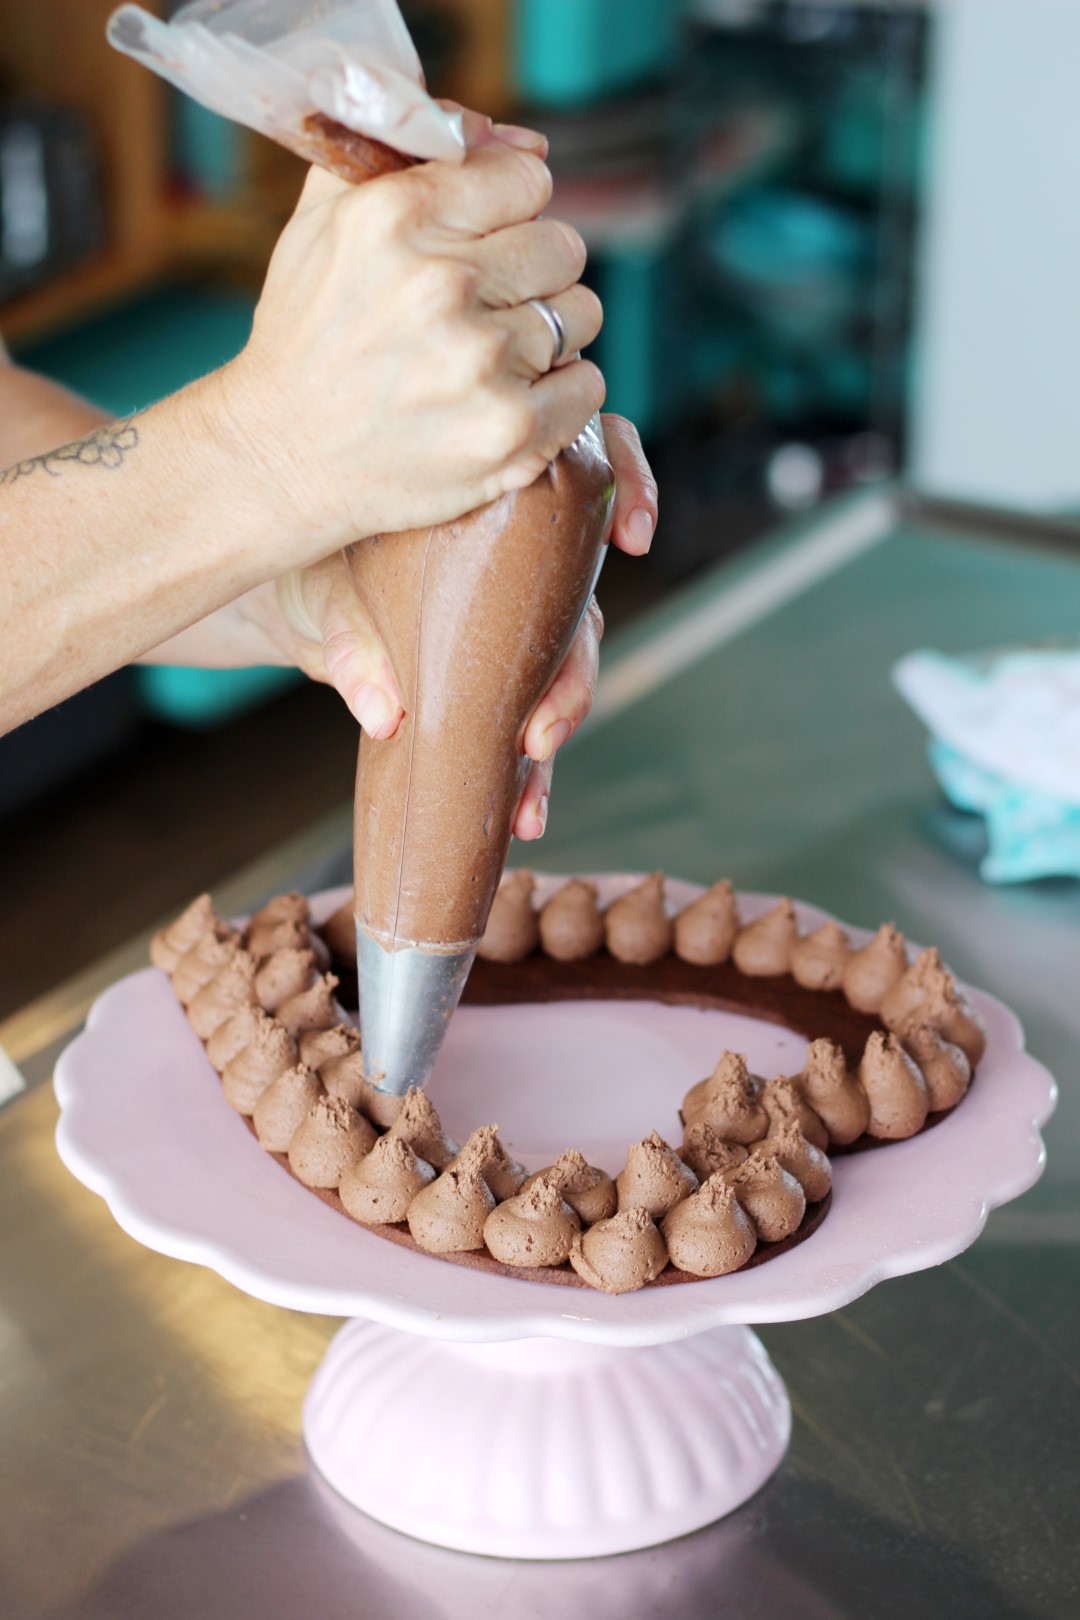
<point x="110" y="547"/>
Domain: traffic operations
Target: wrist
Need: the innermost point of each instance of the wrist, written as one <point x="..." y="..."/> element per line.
<point x="242" y="517"/>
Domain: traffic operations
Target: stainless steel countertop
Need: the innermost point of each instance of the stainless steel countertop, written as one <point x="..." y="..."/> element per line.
<point x="150" y="1455"/>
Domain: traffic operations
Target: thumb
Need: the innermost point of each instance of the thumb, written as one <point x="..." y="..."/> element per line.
<point x="339" y="645"/>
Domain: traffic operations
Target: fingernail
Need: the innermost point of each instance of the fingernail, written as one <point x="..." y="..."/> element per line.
<point x="528" y="139"/>
<point x="542" y="815"/>
<point x="640" y="526"/>
<point x="555" y="736"/>
<point x="372" y="709"/>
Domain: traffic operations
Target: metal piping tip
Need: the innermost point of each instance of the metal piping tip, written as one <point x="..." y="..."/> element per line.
<point x="407" y="997"/>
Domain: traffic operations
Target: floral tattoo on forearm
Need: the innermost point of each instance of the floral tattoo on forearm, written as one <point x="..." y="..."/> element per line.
<point x="106" y="447"/>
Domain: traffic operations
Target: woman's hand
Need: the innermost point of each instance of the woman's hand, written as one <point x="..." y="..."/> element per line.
<point x="313" y="619"/>
<point x="395" y="376"/>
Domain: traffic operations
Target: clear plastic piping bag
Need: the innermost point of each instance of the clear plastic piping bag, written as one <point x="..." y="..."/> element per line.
<point x="271" y="63"/>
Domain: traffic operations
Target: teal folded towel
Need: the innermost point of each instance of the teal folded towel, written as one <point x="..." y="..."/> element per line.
<point x="1006" y="744"/>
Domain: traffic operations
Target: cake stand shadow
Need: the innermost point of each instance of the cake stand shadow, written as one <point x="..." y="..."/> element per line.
<point x="497" y="1415"/>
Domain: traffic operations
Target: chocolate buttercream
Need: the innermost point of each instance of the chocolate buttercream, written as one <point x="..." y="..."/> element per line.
<point x="944" y="1066"/>
<point x="834" y="1093"/>
<point x="706" y="1152"/>
<point x="226" y="993"/>
<point x="729" y="1099"/>
<point x="763" y="948"/>
<point x="872" y="971"/>
<point x="654" y="1177"/>
<point x="783" y="1101"/>
<point x="379" y="1188"/>
<point x="953" y="1016"/>
<point x="899" y="1101"/>
<point x="339" y="932"/>
<point x="283" y="1107"/>
<point x="232" y="1036"/>
<point x="419" y="1125"/>
<point x="513" y="928"/>
<point x="318" y="1046"/>
<point x="203" y="962"/>
<point x="503" y="1174"/>
<point x="770" y="1195"/>
<point x="819" y="959"/>
<point x="705" y="930"/>
<point x="534" y="1228"/>
<point x="709" y="1233"/>
<point x="343" y="1076"/>
<point x="314" y="1008"/>
<point x="270" y="1051"/>
<point x="621" y="1254"/>
<point x="331" y="1138"/>
<point x="288" y="934"/>
<point x="636" y="926"/>
<point x="170" y="944"/>
<point x="801" y="1159"/>
<point x="291" y="907"/>
<point x="930" y="989"/>
<point x="451" y="1212"/>
<point x="913" y="988"/>
<point x="380" y="1107"/>
<point x="588" y="1190"/>
<point x="283" y="975"/>
<point x="571" y="927"/>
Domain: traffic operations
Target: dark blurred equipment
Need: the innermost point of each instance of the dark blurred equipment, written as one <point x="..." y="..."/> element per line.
<point x="51" y="209"/>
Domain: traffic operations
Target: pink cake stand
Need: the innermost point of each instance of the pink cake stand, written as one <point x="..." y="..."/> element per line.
<point x="516" y="1418"/>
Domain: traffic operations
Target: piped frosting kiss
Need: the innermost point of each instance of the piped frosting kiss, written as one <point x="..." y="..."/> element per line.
<point x="534" y="1228"/>
<point x="621" y="1254"/>
<point x="872" y="972"/>
<point x="709" y="1234"/>
<point x="282" y="1108"/>
<point x="513" y="928"/>
<point x="331" y="1138"/>
<point x="729" y="1099"/>
<point x="819" y="959"/>
<point x="705" y="930"/>
<point x="588" y="1190"/>
<point x="899" y="1101"/>
<point x="571" y="927"/>
<point x="449" y="1214"/>
<point x="770" y="1195"/>
<point x="379" y="1188"/>
<point x="636" y="926"/>
<point x="654" y="1177"/>
<point x="763" y="948"/>
<point x="834" y="1093"/>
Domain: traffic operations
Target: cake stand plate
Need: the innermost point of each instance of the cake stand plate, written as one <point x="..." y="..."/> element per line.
<point x="509" y="1417"/>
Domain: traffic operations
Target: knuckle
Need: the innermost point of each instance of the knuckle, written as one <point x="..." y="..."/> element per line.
<point x="389" y="207"/>
<point x="594" y="385"/>
<point x="535" y="184"/>
<point x="595" y="614"/>
<point x="443" y="287"/>
<point x="592" y="312"/>
<point x="575" y="245"/>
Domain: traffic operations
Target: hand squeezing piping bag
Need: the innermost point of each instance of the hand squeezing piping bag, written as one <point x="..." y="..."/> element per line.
<point x="476" y="616"/>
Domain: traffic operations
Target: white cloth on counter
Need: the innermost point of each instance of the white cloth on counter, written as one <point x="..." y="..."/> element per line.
<point x="1016" y="714"/>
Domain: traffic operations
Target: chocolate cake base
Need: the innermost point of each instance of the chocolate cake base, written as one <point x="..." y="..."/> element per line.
<point x="814" y="1014"/>
<point x="563" y="1276"/>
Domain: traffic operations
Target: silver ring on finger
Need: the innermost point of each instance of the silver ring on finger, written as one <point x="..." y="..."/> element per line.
<point x="554" y="323"/>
